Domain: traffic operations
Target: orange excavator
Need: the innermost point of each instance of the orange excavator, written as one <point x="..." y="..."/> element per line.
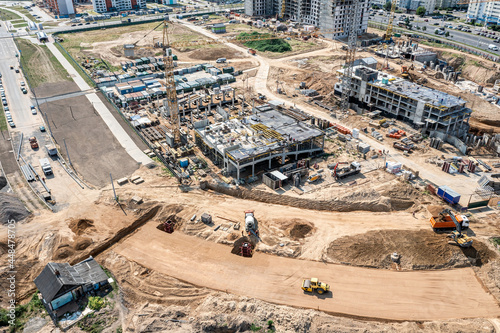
<point x="405" y="72"/>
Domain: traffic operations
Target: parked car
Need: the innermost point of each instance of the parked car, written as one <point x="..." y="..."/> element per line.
<point x="11" y="123"/>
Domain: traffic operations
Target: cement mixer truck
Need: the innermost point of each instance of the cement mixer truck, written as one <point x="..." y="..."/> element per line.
<point x="251" y="224"/>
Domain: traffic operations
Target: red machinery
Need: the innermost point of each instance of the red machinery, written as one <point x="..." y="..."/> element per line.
<point x="168" y="226"/>
<point x="246" y="249"/>
<point x="336" y="166"/>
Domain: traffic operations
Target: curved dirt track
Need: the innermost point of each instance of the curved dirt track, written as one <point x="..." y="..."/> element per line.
<point x="358" y="292"/>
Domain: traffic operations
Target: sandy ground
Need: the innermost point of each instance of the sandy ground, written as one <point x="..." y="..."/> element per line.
<point x="385" y="294"/>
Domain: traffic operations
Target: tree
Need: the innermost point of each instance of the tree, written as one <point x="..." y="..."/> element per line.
<point x="447" y="34"/>
<point x="388" y="6"/>
<point x="421" y="11"/>
<point x="407" y="21"/>
<point x="424" y="28"/>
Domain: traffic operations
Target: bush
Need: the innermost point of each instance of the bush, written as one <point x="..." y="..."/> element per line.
<point x="421" y="11"/>
<point x="271" y="45"/>
<point x="96" y="303"/>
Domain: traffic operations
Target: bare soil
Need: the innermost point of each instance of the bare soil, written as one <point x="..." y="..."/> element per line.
<point x="100" y="152"/>
<point x="423" y="249"/>
<point x="55" y="89"/>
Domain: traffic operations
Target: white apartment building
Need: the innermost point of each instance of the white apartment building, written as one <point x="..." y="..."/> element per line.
<point x="484" y="12"/>
<point x="327" y="15"/>
<point x="104" y="6"/>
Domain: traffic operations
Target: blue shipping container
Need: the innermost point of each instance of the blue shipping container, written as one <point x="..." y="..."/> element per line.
<point x="184" y="163"/>
<point x="448" y="194"/>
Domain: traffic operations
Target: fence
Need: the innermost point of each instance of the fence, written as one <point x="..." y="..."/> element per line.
<point x="456" y="46"/>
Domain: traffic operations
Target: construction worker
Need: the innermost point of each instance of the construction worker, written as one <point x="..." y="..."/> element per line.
<point x="413" y="213"/>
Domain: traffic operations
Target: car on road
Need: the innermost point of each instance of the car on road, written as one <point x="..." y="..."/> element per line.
<point x="24" y="90"/>
<point x="33" y="111"/>
<point x="22" y="84"/>
<point x="436" y="23"/>
<point x="426" y="20"/>
<point x="42" y="128"/>
<point x="11" y="123"/>
<point x="11" y="67"/>
<point x="17" y="70"/>
<point x="73" y="25"/>
<point x="0" y="74"/>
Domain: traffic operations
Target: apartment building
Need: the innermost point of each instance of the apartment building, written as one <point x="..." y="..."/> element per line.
<point x="424" y="108"/>
<point x="327" y="15"/>
<point x="63" y="8"/>
<point x="104" y="6"/>
<point x="484" y="12"/>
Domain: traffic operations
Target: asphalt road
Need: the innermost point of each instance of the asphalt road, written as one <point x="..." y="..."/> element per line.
<point x="456" y="35"/>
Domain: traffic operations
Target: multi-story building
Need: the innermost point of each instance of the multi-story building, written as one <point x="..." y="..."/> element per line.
<point x="412" y="5"/>
<point x="104" y="6"/>
<point x="484" y="12"/>
<point x="60" y="7"/>
<point x="446" y="3"/>
<point x="327" y="15"/>
<point x="424" y="108"/>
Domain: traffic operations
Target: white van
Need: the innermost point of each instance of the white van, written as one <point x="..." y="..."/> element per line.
<point x="493" y="47"/>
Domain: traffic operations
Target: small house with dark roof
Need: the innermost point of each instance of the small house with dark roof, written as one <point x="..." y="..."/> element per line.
<point x="61" y="283"/>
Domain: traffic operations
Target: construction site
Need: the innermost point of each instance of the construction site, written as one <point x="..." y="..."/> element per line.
<point x="331" y="185"/>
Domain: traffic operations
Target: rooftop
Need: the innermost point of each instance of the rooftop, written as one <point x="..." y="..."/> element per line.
<point x="409" y="89"/>
<point x="264" y="131"/>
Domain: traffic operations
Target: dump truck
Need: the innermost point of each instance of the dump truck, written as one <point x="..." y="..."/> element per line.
<point x="353" y="169"/>
<point x="444" y="221"/>
<point x="33" y="142"/>
<point x="313" y="285"/>
<point x="252" y="51"/>
<point x="45" y="165"/>
<point x="462" y="240"/>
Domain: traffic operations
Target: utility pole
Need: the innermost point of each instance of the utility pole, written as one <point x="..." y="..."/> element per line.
<point x="113" y="185"/>
<point x="67" y="153"/>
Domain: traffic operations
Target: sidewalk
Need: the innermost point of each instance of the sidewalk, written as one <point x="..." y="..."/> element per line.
<point x="125" y="141"/>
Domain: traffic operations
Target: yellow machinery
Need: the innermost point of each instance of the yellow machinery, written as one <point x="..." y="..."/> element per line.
<point x="313" y="285"/>
<point x="388" y="32"/>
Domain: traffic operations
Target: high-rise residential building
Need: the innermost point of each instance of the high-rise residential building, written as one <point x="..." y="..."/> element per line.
<point x="327" y="15"/>
<point x="484" y="12"/>
<point x="63" y="8"/>
<point x="412" y="5"/>
<point x="446" y="3"/>
<point x="104" y="6"/>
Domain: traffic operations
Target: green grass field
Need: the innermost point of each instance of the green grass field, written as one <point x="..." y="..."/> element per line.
<point x="3" y="121"/>
<point x="40" y="65"/>
<point x="26" y="13"/>
<point x="20" y="25"/>
<point x="5" y="15"/>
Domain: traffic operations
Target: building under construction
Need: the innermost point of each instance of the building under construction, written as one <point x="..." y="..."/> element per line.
<point x="327" y="15"/>
<point x="425" y="108"/>
<point x="269" y="134"/>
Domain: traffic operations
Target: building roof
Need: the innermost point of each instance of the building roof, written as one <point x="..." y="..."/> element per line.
<point x="279" y="175"/>
<point x="58" y="278"/>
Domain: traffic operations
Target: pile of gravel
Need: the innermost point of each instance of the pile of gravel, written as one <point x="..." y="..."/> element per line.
<point x="11" y="208"/>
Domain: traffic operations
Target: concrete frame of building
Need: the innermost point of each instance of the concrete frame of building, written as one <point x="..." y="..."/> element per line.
<point x="452" y="120"/>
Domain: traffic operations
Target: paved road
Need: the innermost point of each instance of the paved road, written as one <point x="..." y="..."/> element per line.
<point x="361" y="292"/>
<point x="457" y="36"/>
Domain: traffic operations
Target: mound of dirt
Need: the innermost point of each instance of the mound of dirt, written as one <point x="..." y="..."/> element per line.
<point x="11" y="208"/>
<point x="63" y="251"/>
<point x="435" y="209"/>
<point x="3" y="182"/>
<point x="82" y="243"/>
<point x="300" y="230"/>
<point x="81" y="226"/>
<point x="422" y="249"/>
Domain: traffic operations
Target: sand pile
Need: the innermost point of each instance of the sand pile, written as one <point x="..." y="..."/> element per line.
<point x="81" y="226"/>
<point x="300" y="230"/>
<point x="418" y="250"/>
<point x="11" y="208"/>
<point x="435" y="209"/>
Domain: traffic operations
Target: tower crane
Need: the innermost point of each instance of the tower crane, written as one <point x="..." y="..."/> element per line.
<point x="352" y="37"/>
<point x="388" y="32"/>
<point x="171" y="93"/>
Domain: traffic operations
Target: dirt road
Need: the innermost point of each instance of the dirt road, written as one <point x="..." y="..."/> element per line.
<point x="360" y="292"/>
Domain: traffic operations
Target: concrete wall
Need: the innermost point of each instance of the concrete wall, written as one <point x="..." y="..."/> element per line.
<point x="453" y="140"/>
